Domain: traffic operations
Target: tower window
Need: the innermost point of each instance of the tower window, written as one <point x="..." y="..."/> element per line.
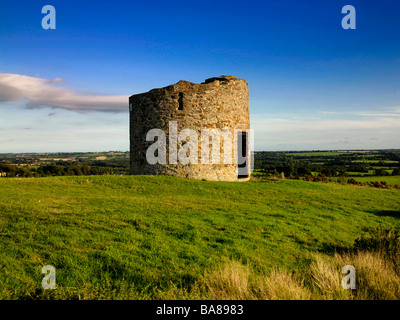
<point x="180" y="101"/>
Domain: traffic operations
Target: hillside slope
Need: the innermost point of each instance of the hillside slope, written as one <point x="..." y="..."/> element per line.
<point x="136" y="236"/>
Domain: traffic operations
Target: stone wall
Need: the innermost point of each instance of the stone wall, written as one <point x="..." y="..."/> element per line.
<point x="217" y="103"/>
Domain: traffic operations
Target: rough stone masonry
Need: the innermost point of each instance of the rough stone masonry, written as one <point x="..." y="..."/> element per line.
<point x="218" y="103"/>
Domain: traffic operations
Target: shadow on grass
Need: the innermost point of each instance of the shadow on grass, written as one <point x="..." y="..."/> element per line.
<point x="386" y="213"/>
<point x="331" y="249"/>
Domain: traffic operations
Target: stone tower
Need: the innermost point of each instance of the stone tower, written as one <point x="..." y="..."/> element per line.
<point x="220" y="103"/>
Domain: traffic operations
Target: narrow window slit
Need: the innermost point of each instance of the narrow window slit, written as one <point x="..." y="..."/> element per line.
<point x="180" y="101"/>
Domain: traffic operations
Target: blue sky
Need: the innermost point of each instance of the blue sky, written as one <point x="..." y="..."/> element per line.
<point x="313" y="85"/>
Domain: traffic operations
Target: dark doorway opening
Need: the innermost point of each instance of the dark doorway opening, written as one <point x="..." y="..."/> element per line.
<point x="242" y="152"/>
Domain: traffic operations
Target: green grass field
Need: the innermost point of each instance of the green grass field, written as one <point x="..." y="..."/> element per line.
<point x="391" y="180"/>
<point x="374" y="161"/>
<point x="370" y="173"/>
<point x="139" y="237"/>
<point x="315" y="154"/>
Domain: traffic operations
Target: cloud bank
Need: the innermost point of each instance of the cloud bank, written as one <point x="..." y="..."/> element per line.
<point x="39" y="92"/>
<point x="72" y="128"/>
<point x="60" y="130"/>
<point x="327" y="130"/>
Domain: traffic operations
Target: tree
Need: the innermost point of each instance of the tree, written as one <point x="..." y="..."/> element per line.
<point x="381" y="172"/>
<point x="396" y="172"/>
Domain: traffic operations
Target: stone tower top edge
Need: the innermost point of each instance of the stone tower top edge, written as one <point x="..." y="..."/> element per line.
<point x="221" y="80"/>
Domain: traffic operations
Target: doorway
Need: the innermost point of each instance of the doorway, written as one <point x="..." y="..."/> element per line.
<point x="242" y="152"/>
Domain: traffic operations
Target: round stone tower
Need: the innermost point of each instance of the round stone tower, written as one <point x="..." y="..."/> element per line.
<point x="217" y="144"/>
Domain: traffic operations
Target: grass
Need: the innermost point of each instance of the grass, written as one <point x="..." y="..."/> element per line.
<point x="148" y="237"/>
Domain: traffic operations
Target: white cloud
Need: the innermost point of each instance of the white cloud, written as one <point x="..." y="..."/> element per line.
<point x="40" y="92"/>
<point x="43" y="130"/>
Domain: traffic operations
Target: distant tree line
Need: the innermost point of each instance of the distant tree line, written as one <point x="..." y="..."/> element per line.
<point x="53" y="170"/>
<point x="273" y="163"/>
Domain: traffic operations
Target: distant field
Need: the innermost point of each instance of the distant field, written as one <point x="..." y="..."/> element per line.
<point x="357" y="173"/>
<point x="314" y="154"/>
<point x="375" y="161"/>
<point x="33" y="167"/>
<point x="392" y="180"/>
<point x="370" y="172"/>
<point x="135" y="237"/>
<point x="258" y="172"/>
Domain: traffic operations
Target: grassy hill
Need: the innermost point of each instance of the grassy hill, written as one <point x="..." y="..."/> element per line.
<point x="148" y="237"/>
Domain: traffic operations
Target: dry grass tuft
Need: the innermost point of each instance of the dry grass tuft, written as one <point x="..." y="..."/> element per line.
<point x="326" y="279"/>
<point x="230" y="282"/>
<point x="376" y="276"/>
<point x="376" y="279"/>
<point x="281" y="285"/>
<point x="237" y="281"/>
